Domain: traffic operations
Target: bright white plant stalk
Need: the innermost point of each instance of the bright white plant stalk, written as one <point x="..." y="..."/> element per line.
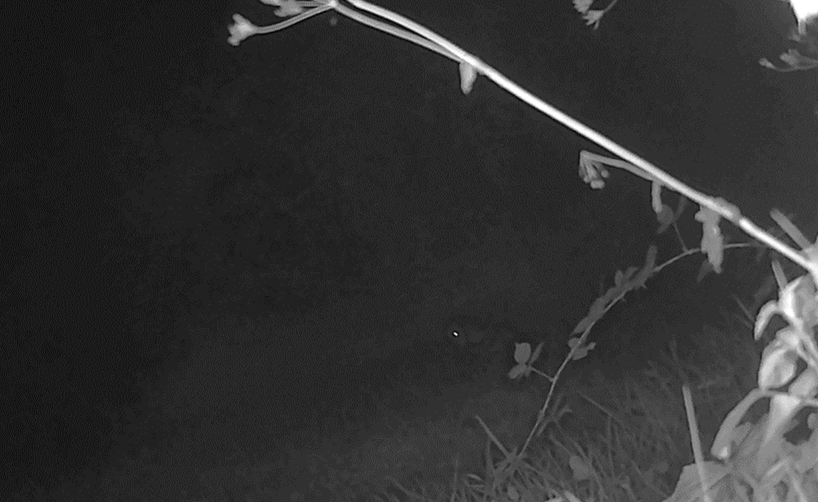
<point x="591" y="171"/>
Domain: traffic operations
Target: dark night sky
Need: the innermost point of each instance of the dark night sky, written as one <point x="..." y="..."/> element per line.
<point x="160" y="175"/>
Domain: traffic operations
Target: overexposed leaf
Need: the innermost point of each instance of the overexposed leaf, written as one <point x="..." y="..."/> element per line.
<point x="665" y="217"/>
<point x="778" y="364"/>
<point x="468" y="74"/>
<point x="712" y="240"/>
<point x="656" y="196"/>
<point x="765" y="313"/>
<point x="288" y="8"/>
<point x="782" y="408"/>
<point x="805" y="385"/>
<point x="730" y="432"/>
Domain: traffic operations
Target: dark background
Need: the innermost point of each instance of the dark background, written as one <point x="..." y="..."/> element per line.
<point x="157" y="178"/>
